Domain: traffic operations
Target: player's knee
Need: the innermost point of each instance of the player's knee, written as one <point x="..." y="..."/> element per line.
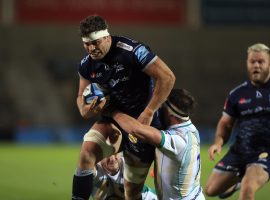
<point x="136" y="175"/>
<point x="209" y="190"/>
<point x="99" y="144"/>
<point x="87" y="159"/>
<point x="247" y="190"/>
<point x="133" y="196"/>
<point x="133" y="191"/>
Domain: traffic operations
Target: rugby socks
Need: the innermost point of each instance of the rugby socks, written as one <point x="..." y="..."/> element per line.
<point x="82" y="184"/>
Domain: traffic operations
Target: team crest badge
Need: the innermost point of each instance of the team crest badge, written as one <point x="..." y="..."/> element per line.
<point x="263" y="155"/>
<point x="132" y="138"/>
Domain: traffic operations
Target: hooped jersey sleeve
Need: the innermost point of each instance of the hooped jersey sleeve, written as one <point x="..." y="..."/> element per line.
<point x="144" y="56"/>
<point x="172" y="143"/>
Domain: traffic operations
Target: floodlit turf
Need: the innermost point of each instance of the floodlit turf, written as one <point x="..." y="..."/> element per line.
<point x="36" y="172"/>
<point x="45" y="172"/>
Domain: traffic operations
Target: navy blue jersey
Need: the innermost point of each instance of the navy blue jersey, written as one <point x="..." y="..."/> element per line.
<point x="121" y="73"/>
<point x="250" y="105"/>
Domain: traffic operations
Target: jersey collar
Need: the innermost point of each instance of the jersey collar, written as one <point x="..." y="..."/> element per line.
<point x="181" y="125"/>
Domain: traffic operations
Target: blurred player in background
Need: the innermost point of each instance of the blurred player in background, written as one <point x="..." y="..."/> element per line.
<point x="177" y="167"/>
<point x="247" y="108"/>
<point x="138" y="82"/>
<point x="109" y="180"/>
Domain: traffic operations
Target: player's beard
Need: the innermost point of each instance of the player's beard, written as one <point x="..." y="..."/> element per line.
<point x="96" y="55"/>
<point x="259" y="78"/>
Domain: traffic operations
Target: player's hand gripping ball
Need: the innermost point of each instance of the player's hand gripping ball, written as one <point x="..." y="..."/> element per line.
<point x="92" y="91"/>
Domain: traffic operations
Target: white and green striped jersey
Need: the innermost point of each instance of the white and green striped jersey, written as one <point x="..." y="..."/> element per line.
<point x="178" y="165"/>
<point x="107" y="186"/>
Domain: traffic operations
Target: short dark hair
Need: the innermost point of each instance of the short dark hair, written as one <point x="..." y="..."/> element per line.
<point x="183" y="100"/>
<point x="91" y="24"/>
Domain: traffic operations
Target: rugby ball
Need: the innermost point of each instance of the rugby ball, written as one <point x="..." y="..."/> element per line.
<point x="91" y="91"/>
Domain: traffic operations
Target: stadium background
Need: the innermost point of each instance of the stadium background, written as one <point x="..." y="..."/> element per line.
<point x="203" y="41"/>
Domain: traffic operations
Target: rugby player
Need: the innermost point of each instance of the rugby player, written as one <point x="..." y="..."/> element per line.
<point x="177" y="166"/>
<point x="247" y="108"/>
<point x="109" y="180"/>
<point x="138" y="82"/>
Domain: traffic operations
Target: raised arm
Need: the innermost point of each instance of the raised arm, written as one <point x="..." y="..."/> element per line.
<point x="134" y="127"/>
<point x="164" y="82"/>
<point x="223" y="132"/>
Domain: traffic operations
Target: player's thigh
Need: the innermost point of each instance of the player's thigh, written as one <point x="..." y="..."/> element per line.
<point x="255" y="177"/>
<point x="219" y="181"/>
<point x="136" y="170"/>
<point x="98" y="143"/>
<point x="134" y="178"/>
<point x="132" y="190"/>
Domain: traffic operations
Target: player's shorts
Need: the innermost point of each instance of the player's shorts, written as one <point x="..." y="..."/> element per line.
<point x="237" y="162"/>
<point x="145" y="152"/>
<point x="139" y="148"/>
<point x="138" y="154"/>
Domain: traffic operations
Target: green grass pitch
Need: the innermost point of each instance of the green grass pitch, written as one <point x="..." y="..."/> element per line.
<point x="45" y="172"/>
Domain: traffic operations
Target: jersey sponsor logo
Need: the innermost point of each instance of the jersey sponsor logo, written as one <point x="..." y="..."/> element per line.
<point x="118" y="67"/>
<point x="84" y="59"/>
<point x="247" y="112"/>
<point x="124" y="46"/>
<point x="96" y="75"/>
<point x="106" y="67"/>
<point x="220" y="164"/>
<point x="113" y="82"/>
<point x="263" y="155"/>
<point x="258" y="109"/>
<point x="132" y="138"/>
<point x="141" y="54"/>
<point x="244" y="101"/>
<point x="258" y="94"/>
<point x="93" y="75"/>
<point x="255" y="110"/>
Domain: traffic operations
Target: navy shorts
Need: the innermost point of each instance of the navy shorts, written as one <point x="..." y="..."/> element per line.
<point x="145" y="152"/>
<point x="142" y="150"/>
<point x="236" y="162"/>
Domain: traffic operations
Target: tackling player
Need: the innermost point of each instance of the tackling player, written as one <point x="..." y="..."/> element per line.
<point x="177" y="166"/>
<point x="138" y="82"/>
<point x="109" y="180"/>
<point x="248" y="109"/>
